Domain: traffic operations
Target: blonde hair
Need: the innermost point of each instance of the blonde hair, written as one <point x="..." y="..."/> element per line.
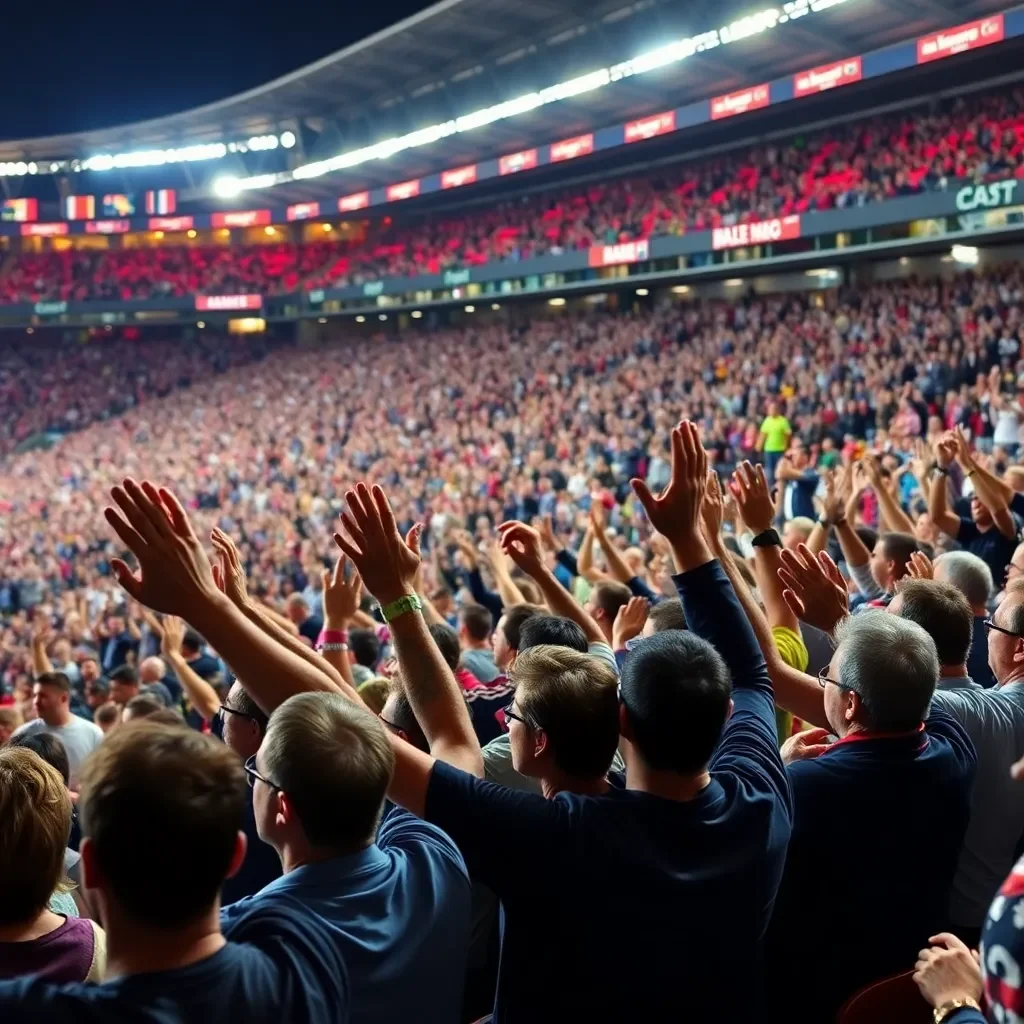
<point x="36" y="813"/>
<point x="10" y="718"/>
<point x="375" y="693"/>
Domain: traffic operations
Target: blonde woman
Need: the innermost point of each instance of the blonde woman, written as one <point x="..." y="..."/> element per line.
<point x="36" y="815"/>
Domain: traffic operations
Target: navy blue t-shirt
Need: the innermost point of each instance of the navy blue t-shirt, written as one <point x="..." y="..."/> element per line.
<point x="260" y="867"/>
<point x="280" y="966"/>
<point x="629" y="906"/>
<point x="992" y="547"/>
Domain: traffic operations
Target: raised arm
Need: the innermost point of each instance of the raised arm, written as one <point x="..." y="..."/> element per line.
<point x="41" y="635"/>
<point x="175" y="576"/>
<point x="522" y="544"/>
<point x="488" y="598"/>
<point x="585" y="559"/>
<point x="510" y="594"/>
<point x="948" y="522"/>
<point x="893" y="516"/>
<point x="388" y="566"/>
<point x="201" y="695"/>
<point x="991" y="491"/>
<point x="616" y="563"/>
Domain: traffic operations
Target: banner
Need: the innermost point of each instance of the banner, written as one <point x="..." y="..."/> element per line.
<point x="623" y="252"/>
<point x="185" y="223"/>
<point x="985" y="197"/>
<point x="240" y="218"/>
<point x="569" y="149"/>
<point x="45" y="230"/>
<point x="523" y="161"/>
<point x="758" y="232"/>
<point x="107" y="227"/>
<point x="754" y="98"/>
<point x="228" y="302"/>
<point x="649" y="127"/>
<point x="403" y="190"/>
<point x="117" y="204"/>
<point x="20" y="209"/>
<point x="970" y="36"/>
<point x="827" y="76"/>
<point x="356" y="201"/>
<point x="302" y="211"/>
<point x="458" y="176"/>
<point x="50" y="308"/>
<point x="80" y="207"/>
<point x="161" y="201"/>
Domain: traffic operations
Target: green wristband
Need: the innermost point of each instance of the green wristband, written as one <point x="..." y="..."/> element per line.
<point x="408" y="603"/>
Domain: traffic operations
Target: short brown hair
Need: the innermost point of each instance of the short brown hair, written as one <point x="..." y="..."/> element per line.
<point x="333" y="759"/>
<point x="530" y="591"/>
<point x="162" y="806"/>
<point x="610" y="596"/>
<point x="477" y="621"/>
<point x="514" y="618"/>
<point x="36" y="815"/>
<point x="943" y="613"/>
<point x="573" y="698"/>
<point x="58" y="680"/>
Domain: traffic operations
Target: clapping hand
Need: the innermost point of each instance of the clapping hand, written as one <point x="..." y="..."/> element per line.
<point x="945" y="451"/>
<point x="804" y="745"/>
<point x="629" y="621"/>
<point x="542" y="524"/>
<point x="175" y="575"/>
<point x="750" y="487"/>
<point x="386" y="563"/>
<point x="676" y="511"/>
<point x="920" y="566"/>
<point x="172" y="632"/>
<point x="713" y="509"/>
<point x="948" y="970"/>
<point x="523" y="545"/>
<point x="227" y="571"/>
<point x="42" y="630"/>
<point x="341" y="595"/>
<point x="815" y="589"/>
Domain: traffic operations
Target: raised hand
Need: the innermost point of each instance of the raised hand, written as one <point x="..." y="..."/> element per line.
<point x="834" y="503"/>
<point x="947" y="970"/>
<point x="386" y="562"/>
<point x="523" y="545"/>
<point x="815" y="589"/>
<point x="597" y="517"/>
<point x="964" y="455"/>
<point x="469" y="550"/>
<point x="542" y="524"/>
<point x="174" y="572"/>
<point x="920" y="566"/>
<point x="676" y="511"/>
<point x="228" y="571"/>
<point x="42" y="630"/>
<point x="712" y="509"/>
<point x="341" y="595"/>
<point x="629" y="621"/>
<point x="945" y="450"/>
<point x="754" y="500"/>
<point x="172" y="634"/>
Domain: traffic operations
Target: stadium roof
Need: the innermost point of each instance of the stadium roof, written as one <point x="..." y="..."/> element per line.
<point x="461" y="55"/>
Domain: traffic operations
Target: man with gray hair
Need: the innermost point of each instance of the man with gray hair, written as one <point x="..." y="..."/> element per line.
<point x="973" y="578"/>
<point x="879" y="814"/>
<point x="392" y="890"/>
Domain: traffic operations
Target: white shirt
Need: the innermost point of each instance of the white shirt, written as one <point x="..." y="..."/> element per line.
<point x="994" y="719"/>
<point x="80" y="739"/>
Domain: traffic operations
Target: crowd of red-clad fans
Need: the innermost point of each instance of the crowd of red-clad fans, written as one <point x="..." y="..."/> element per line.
<point x="979" y="136"/>
<point x="578" y="679"/>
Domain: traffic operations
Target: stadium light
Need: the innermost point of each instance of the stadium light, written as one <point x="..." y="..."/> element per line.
<point x="416" y="314"/>
<point x="557" y="301"/>
<point x="200" y="325"/>
<point x="471" y="309"/>
<point x="766" y="20"/>
<point x="966" y="254"/>
<point x="681" y="289"/>
<point x="288" y="139"/>
<point x="495" y="305"/>
<point x="227" y="187"/>
<point x="360" y="319"/>
<point x="643" y="292"/>
<point x="322" y="320"/>
<point x="383" y="316"/>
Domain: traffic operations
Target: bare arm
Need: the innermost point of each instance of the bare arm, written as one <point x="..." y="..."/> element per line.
<point x="991" y="491"/>
<point x="894" y="518"/>
<point x="855" y="551"/>
<point x="585" y="559"/>
<point x="616" y="563"/>
<point x="522" y="544"/>
<point x="41" y="634"/>
<point x="275" y="616"/>
<point x="510" y="594"/>
<point x="201" y="695"/>
<point x="948" y="522"/>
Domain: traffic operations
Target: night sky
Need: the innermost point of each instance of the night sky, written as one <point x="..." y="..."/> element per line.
<point x="69" y="67"/>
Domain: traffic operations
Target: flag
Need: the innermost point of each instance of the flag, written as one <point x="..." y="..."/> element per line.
<point x="117" y="204"/>
<point x="80" y="207"/>
<point x="161" y="201"/>
<point x="20" y="209"/>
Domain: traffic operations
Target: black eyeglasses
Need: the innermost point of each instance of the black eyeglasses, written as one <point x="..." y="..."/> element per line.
<point x="251" y="775"/>
<point x="509" y="713"/>
<point x="989" y="624"/>
<point x="823" y="679"/>
<point x="234" y="711"/>
<point x="396" y="729"/>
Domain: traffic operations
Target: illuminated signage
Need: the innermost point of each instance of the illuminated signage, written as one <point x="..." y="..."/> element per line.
<point x="970" y="36"/>
<point x="758" y="232"/>
<point x="569" y="149"/>
<point x="754" y="98"/>
<point x="171" y="223"/>
<point x="649" y="127"/>
<point x="458" y="176"/>
<point x="624" y="252"/>
<point x="228" y="302"/>
<point x="356" y="201"/>
<point x="403" y="190"/>
<point x="981" y="197"/>
<point x="107" y="227"/>
<point x="828" y="76"/>
<point x="240" y="218"/>
<point x="523" y="161"/>
<point x="45" y="230"/>
<point x="303" y="211"/>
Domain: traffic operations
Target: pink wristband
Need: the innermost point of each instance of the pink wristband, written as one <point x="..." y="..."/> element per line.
<point x="332" y="636"/>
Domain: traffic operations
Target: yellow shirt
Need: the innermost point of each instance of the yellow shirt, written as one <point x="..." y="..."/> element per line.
<point x="776" y="430"/>
<point x="793" y="652"/>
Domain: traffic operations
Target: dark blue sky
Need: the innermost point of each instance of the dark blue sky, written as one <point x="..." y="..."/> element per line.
<point x="67" y="67"/>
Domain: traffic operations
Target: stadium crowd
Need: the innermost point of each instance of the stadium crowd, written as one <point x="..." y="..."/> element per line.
<point x="978" y="136"/>
<point x="671" y="626"/>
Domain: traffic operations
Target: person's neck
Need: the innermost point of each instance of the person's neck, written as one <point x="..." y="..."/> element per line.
<point x="59" y="719"/>
<point x="478" y="645"/>
<point x="953" y="671"/>
<point x="666" y="784"/>
<point x="1015" y="676"/>
<point x="980" y="612"/>
<point x="298" y="855"/>
<point x="137" y="949"/>
<point x="42" y="924"/>
<point x="558" y="782"/>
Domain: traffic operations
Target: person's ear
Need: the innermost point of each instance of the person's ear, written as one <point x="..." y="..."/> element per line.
<point x="625" y="726"/>
<point x="90" y="872"/>
<point x="851" y="705"/>
<point x="540" y="742"/>
<point x="728" y="714"/>
<point x="1018" y="649"/>
<point x="238" y="855"/>
<point x="284" y="813"/>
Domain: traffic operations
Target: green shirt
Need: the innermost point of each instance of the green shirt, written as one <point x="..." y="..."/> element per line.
<point x="776" y="430"/>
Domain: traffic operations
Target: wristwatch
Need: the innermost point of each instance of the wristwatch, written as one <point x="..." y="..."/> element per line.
<point x="948" y="1008"/>
<point x="408" y="603"/>
<point x="767" y="539"/>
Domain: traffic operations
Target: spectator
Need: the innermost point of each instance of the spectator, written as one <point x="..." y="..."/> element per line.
<point x="447" y="641"/>
<point x="165" y="938"/>
<point x="124" y="686"/>
<point x="36" y="811"/>
<point x="153" y="671"/>
<point x="799" y="483"/>
<point x="606" y="598"/>
<point x="106" y="716"/>
<point x="973" y="578"/>
<point x="475" y="626"/>
<point x="392" y="892"/>
<point x="147" y="706"/>
<point x="51" y="697"/>
<point x="364" y="652"/>
<point x="773" y="439"/>
<point x="308" y="624"/>
<point x="374" y="693"/>
<point x="10" y="720"/>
